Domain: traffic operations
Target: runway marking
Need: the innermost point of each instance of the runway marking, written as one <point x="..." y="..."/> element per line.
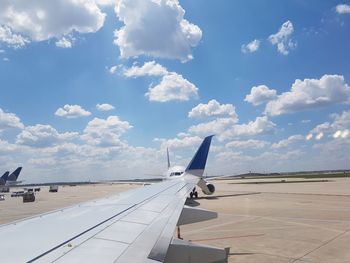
<point x="303" y="224"/>
<point x="286" y="220"/>
<point x="322" y="245"/>
<point x="219" y="238"/>
<point x="295" y="193"/>
<point x="223" y="224"/>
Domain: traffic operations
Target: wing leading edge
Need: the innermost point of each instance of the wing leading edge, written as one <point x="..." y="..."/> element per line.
<point x="136" y="226"/>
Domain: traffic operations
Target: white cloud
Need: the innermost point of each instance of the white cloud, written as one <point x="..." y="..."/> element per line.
<point x="179" y="143"/>
<point x="217" y="126"/>
<point x="260" y="126"/>
<point x="342" y="9"/>
<point x="150" y="68"/>
<point x="338" y="128"/>
<point x="282" y="39"/>
<point x="260" y="94"/>
<point x="64" y="43"/>
<point x="106" y="132"/>
<point x="104" y="107"/>
<point x="172" y="87"/>
<point x="72" y="111"/>
<point x="9" y="121"/>
<point x="113" y="69"/>
<point x="287" y="142"/>
<point x="43" y="136"/>
<point x="309" y="136"/>
<point x="251" y="47"/>
<point x="319" y="136"/>
<point x="341" y="134"/>
<point x="305" y="121"/>
<point x="251" y="144"/>
<point x="155" y="28"/>
<point x="213" y="108"/>
<point x="11" y="39"/>
<point x="105" y="2"/>
<point x="309" y="94"/>
<point x="42" y="20"/>
<point x="226" y="128"/>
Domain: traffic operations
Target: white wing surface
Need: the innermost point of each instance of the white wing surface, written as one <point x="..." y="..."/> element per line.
<point x="135" y="226"/>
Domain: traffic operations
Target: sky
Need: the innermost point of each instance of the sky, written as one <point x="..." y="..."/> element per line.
<point x="98" y="89"/>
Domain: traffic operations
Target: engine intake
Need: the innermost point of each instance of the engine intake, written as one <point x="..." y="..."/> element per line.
<point x="209" y="190"/>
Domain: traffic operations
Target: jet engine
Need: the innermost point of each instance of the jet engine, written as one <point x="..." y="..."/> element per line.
<point x="206" y="187"/>
<point x="209" y="189"/>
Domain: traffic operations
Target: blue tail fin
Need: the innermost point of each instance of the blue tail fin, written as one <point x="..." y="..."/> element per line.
<point x="4" y="177"/>
<point x="13" y="177"/>
<point x="197" y="164"/>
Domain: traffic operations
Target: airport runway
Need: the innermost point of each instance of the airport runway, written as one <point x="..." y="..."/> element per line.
<point x="270" y="222"/>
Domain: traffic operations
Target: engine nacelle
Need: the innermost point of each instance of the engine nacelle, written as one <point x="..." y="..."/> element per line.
<point x="209" y="189"/>
<point x="206" y="187"/>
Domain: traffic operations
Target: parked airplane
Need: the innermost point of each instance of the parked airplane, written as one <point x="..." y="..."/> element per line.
<point x="12" y="178"/>
<point x="4" y="177"/>
<point x="135" y="226"/>
<point x="176" y="171"/>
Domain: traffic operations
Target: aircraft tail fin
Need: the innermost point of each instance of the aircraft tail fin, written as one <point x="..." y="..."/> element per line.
<point x="4" y="177"/>
<point x="14" y="175"/>
<point x="197" y="164"/>
<point x="167" y="155"/>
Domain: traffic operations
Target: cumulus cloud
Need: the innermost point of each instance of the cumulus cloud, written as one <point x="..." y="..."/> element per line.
<point x="247" y="144"/>
<point x="64" y="43"/>
<point x="177" y="143"/>
<point x="72" y="111"/>
<point x="342" y="9"/>
<point x="42" y="20"/>
<point x="155" y="28"/>
<point x="150" y="68"/>
<point x="260" y="94"/>
<point x="43" y="136"/>
<point x="251" y="47"/>
<point x="9" y="121"/>
<point x="341" y="134"/>
<point x="260" y="126"/>
<point x="309" y="94"/>
<point x="213" y="108"/>
<point x="113" y="69"/>
<point x="282" y="39"/>
<point x="338" y="128"/>
<point x="309" y="136"/>
<point x="106" y="132"/>
<point x="105" y="2"/>
<point x="217" y="127"/>
<point x="172" y="87"/>
<point x="10" y="38"/>
<point x="287" y="142"/>
<point x="104" y="107"/>
<point x="227" y="128"/>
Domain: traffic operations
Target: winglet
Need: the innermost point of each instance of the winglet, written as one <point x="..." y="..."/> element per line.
<point x="15" y="174"/>
<point x="197" y="164"/>
<point x="167" y="155"/>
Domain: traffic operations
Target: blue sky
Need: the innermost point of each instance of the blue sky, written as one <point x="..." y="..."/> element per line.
<point x="270" y="79"/>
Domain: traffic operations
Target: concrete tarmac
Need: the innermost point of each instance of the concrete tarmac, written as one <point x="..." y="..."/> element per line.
<point x="269" y="222"/>
<point x="278" y="222"/>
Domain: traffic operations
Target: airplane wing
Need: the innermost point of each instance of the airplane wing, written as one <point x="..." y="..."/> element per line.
<point x="135" y="226"/>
